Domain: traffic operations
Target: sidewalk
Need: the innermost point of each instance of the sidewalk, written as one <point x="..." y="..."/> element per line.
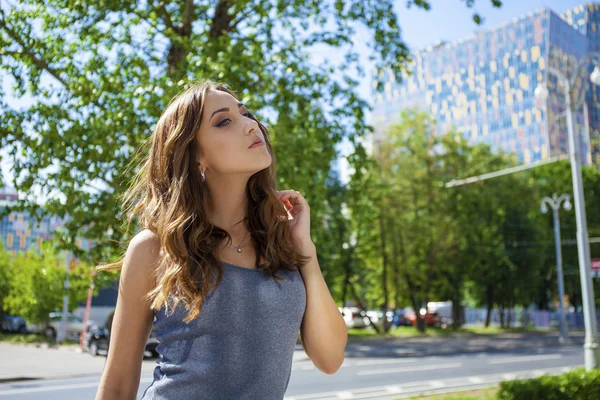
<point x="25" y="362"/>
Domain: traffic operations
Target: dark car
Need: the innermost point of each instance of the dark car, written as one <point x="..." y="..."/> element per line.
<point x="13" y="324"/>
<point x="95" y="342"/>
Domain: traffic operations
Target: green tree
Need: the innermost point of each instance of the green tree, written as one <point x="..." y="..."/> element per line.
<point x="430" y="242"/>
<point x="111" y="68"/>
<point x="35" y="284"/>
<point x="556" y="178"/>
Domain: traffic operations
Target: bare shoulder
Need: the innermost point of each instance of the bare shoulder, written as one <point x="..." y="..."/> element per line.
<point x="141" y="256"/>
<point x="145" y="240"/>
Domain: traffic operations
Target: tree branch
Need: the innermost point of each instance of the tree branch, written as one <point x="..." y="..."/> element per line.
<point x="40" y="63"/>
<point x="221" y="20"/>
<point x="167" y="17"/>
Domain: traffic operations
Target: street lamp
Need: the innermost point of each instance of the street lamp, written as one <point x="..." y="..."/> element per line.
<point x="555" y="203"/>
<point x="591" y="349"/>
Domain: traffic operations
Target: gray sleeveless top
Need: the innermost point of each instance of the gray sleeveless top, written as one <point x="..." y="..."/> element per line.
<point x="239" y="347"/>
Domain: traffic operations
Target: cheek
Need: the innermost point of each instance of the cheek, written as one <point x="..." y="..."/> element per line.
<point x="225" y="155"/>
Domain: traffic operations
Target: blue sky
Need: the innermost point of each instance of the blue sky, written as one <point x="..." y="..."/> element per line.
<point x="451" y="19"/>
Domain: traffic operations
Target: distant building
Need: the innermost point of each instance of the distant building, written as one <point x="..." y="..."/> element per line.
<point x="19" y="231"/>
<point x="484" y="85"/>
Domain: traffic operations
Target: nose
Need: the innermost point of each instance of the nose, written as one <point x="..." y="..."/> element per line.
<point x="251" y="125"/>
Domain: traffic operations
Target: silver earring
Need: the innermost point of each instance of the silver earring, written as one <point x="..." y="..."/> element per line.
<point x="203" y="176"/>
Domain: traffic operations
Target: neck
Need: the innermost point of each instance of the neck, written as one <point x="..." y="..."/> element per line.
<point x="227" y="204"/>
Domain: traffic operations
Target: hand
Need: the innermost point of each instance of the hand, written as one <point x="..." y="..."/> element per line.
<point x="300" y="225"/>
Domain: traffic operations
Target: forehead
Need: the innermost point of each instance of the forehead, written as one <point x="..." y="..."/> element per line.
<point x="216" y="99"/>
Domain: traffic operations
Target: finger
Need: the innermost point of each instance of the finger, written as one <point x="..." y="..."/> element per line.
<point x="290" y="194"/>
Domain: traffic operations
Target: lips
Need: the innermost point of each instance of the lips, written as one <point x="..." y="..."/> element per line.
<point x="257" y="140"/>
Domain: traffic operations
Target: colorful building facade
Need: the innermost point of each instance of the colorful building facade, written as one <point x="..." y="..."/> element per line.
<point x="484" y="86"/>
<point x="19" y="231"/>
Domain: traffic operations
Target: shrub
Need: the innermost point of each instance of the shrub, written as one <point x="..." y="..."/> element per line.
<point x="575" y="385"/>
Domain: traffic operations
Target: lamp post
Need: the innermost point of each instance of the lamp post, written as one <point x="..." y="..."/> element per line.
<point x="591" y="349"/>
<point x="555" y="203"/>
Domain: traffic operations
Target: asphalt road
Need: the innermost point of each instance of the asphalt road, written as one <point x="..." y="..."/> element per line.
<point x="362" y="378"/>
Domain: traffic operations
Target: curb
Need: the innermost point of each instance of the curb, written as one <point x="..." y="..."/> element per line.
<point x="425" y="353"/>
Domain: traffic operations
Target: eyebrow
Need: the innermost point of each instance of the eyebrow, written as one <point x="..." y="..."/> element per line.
<point x="225" y="109"/>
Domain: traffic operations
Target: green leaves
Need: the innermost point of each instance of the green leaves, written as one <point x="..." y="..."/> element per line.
<point x="111" y="67"/>
<point x="443" y="243"/>
<point x="32" y="283"/>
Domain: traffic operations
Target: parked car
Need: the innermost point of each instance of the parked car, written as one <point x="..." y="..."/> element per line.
<point x="95" y="342"/>
<point x="377" y="317"/>
<point x="50" y="330"/>
<point x="400" y="318"/>
<point x="13" y="324"/>
<point x="431" y="319"/>
<point x="354" y="317"/>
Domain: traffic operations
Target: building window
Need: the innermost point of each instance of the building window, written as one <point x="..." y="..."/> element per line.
<point x="9" y="240"/>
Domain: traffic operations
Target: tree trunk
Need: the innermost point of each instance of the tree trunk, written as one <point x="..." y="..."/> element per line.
<point x="396" y="271"/>
<point x="457" y="315"/>
<point x="411" y="288"/>
<point x="385" y="325"/>
<point x="490" y="304"/>
<point x="362" y="306"/>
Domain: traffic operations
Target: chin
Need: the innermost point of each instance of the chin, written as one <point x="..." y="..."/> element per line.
<point x="262" y="168"/>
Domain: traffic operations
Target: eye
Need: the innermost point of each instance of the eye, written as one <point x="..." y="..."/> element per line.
<point x="223" y="121"/>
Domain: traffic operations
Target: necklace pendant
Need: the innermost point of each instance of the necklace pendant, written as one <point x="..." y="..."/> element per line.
<point x="239" y="250"/>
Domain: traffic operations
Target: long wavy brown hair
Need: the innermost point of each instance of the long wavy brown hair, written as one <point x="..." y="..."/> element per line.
<point x="168" y="197"/>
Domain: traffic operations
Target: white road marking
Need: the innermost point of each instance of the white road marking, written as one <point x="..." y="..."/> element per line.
<point x="475" y="379"/>
<point x="388" y="391"/>
<point x="393" y="389"/>
<point x="383" y="362"/>
<point x="418" y="388"/>
<point x="409" y="369"/>
<point x="524" y="359"/>
<point x="345" y="395"/>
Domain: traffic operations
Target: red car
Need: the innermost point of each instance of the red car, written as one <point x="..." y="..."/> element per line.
<point x="431" y="319"/>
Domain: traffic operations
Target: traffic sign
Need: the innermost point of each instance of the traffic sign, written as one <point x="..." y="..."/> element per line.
<point x="596" y="267"/>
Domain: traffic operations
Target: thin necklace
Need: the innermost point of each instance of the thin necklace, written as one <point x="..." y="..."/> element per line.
<point x="239" y="247"/>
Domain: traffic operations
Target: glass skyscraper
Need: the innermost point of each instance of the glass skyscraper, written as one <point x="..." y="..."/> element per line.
<point x="484" y="85"/>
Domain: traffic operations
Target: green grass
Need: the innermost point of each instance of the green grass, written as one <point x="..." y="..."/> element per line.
<point x="18" y="338"/>
<point x="410" y="331"/>
<point x="481" y="394"/>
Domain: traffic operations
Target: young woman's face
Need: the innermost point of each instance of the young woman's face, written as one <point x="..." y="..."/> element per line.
<point x="225" y="135"/>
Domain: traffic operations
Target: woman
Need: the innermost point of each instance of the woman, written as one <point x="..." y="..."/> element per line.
<point x="230" y="279"/>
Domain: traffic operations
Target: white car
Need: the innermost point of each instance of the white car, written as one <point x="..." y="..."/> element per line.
<point x="377" y="317"/>
<point x="50" y="330"/>
<point x="354" y="317"/>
